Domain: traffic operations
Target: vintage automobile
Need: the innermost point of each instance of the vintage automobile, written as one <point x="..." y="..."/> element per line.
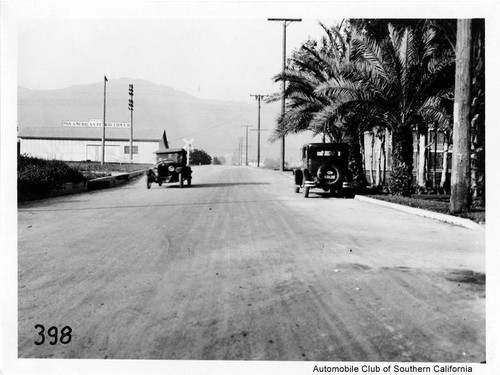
<point x="325" y="166"/>
<point x="171" y="167"/>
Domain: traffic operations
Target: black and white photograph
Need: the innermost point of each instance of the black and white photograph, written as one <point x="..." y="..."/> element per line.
<point x="221" y="187"/>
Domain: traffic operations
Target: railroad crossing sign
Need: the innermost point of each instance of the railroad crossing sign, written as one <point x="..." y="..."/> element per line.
<point x="187" y="147"/>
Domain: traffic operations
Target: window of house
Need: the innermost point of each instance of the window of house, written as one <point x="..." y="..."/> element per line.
<point x="135" y="150"/>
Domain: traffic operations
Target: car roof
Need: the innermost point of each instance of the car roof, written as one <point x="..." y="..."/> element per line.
<point x="337" y="144"/>
<point x="169" y="151"/>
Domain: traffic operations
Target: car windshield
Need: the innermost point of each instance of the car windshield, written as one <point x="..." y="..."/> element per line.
<point x="170" y="157"/>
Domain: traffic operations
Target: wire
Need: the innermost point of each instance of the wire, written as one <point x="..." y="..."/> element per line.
<point x="209" y="128"/>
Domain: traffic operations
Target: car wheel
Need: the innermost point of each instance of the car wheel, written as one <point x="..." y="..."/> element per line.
<point x="181" y="181"/>
<point x="298" y="175"/>
<point x="306" y="191"/>
<point x="349" y="194"/>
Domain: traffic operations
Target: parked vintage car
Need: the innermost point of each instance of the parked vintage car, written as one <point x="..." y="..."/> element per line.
<point x="325" y="166"/>
<point x="171" y="167"/>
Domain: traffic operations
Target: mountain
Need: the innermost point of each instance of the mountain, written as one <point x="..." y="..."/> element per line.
<point x="214" y="125"/>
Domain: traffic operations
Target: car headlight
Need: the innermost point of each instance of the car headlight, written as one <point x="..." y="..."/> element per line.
<point x="171" y="168"/>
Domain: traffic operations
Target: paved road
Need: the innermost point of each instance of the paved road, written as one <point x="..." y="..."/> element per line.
<point x="240" y="267"/>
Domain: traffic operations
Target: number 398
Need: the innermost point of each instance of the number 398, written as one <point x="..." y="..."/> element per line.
<point x="53" y="333"/>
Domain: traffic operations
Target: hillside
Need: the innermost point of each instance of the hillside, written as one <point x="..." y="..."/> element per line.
<point x="214" y="125"/>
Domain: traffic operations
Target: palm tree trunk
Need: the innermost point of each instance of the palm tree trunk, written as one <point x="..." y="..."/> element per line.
<point x="372" y="143"/>
<point x="361" y="178"/>
<point x="434" y="162"/>
<point x="378" y="153"/>
<point x="460" y="168"/>
<point x="422" y="158"/>
<point x="384" y="157"/>
<point x="402" y="160"/>
<point x="444" y="172"/>
<point x="356" y="159"/>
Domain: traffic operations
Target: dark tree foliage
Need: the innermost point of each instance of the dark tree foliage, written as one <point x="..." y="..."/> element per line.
<point x="377" y="29"/>
<point x="405" y="68"/>
<point x="36" y="174"/>
<point x="478" y="175"/>
<point x="199" y="157"/>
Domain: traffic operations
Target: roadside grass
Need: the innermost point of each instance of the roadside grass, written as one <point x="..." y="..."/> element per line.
<point x="432" y="202"/>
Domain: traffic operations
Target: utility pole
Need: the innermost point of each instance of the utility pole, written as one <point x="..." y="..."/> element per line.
<point x="104" y="123"/>
<point x="246" y="145"/>
<point x="286" y="22"/>
<point x="240" y="151"/>
<point x="258" y="97"/>
<point x="460" y="165"/>
<point x="131" y="107"/>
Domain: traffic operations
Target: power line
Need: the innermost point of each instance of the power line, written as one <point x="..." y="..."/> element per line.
<point x="210" y="128"/>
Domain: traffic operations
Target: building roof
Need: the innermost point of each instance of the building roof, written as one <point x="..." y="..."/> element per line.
<point x="87" y="133"/>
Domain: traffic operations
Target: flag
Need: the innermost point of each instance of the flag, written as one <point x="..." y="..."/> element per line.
<point x="164" y="141"/>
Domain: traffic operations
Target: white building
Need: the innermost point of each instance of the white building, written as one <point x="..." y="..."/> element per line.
<point x="85" y="143"/>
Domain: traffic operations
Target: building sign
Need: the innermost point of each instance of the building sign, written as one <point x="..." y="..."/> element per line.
<point x="95" y="124"/>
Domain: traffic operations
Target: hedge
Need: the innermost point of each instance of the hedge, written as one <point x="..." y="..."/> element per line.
<point x="42" y="175"/>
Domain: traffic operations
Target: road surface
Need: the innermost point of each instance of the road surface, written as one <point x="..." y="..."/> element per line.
<point x="239" y="267"/>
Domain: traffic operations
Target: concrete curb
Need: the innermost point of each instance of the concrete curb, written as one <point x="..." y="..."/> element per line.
<point x="111" y="181"/>
<point x="424" y="213"/>
<point x="90" y="185"/>
<point x="418" y="211"/>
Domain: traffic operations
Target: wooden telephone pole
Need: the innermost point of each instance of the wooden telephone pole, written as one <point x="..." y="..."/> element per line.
<point x="258" y="97"/>
<point x="286" y="22"/>
<point x="460" y="170"/>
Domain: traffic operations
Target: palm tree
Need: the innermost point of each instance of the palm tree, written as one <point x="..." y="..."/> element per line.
<point x="312" y="65"/>
<point x="393" y="77"/>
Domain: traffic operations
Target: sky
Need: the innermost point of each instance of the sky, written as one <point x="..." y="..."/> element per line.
<point x="225" y="59"/>
<point x="222" y="50"/>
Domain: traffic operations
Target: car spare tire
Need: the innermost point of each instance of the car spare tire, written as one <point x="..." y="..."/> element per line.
<point x="329" y="174"/>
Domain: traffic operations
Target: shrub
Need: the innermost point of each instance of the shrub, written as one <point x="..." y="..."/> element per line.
<point x="42" y="175"/>
<point x="199" y="157"/>
<point x="400" y="181"/>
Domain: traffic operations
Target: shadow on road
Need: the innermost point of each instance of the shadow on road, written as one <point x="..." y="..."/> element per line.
<point x="219" y="184"/>
<point x="32" y="210"/>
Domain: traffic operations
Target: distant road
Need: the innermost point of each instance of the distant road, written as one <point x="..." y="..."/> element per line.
<point x="239" y="267"/>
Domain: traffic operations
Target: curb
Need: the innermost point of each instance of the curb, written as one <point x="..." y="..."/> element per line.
<point x="111" y="181"/>
<point x="450" y="219"/>
<point x="90" y="185"/>
<point x="424" y="213"/>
